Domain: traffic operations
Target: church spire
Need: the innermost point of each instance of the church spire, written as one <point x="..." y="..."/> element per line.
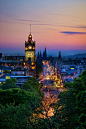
<point x="30" y="36"/>
<point x="30" y="28"/>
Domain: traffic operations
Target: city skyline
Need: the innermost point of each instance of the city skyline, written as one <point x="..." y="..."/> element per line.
<point x="56" y="25"/>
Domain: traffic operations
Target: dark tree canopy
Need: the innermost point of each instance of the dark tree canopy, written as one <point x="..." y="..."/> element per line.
<point x="18" y="104"/>
<point x="71" y="107"/>
<point x="9" y="83"/>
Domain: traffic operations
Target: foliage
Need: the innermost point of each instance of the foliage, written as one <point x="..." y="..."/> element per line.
<point x="18" y="104"/>
<point x="17" y="95"/>
<point x="33" y="86"/>
<point x="71" y="107"/>
<point x="9" y="83"/>
<point x="41" y="124"/>
<point x="12" y="117"/>
<point x="68" y="85"/>
<point x="81" y="108"/>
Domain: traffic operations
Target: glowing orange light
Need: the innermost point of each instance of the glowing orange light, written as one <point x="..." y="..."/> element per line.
<point x="33" y="67"/>
<point x="29" y="36"/>
<point x="33" y="48"/>
<point x="26" y="48"/>
<point x="32" y="63"/>
<point x="24" y="63"/>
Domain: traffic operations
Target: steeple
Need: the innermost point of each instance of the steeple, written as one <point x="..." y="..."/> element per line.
<point x="30" y="28"/>
<point x="30" y="36"/>
<point x="30" y="48"/>
<point x="59" y="56"/>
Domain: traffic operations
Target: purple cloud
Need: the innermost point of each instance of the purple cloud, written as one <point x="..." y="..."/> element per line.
<point x="72" y="32"/>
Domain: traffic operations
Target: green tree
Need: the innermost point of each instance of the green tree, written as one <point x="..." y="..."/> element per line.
<point x="20" y="96"/>
<point x="17" y="95"/>
<point x="12" y="117"/>
<point x="81" y="109"/>
<point x="18" y="104"/>
<point x="71" y="107"/>
<point x="68" y="85"/>
<point x="33" y="86"/>
<point x="9" y="83"/>
<point x="41" y="124"/>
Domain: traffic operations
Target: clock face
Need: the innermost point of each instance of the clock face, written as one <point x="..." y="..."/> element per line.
<point x="30" y="47"/>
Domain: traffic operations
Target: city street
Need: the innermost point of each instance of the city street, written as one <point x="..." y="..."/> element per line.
<point x="50" y="88"/>
<point x="48" y="79"/>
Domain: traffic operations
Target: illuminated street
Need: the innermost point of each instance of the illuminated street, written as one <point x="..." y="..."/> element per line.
<point x="51" y="87"/>
<point x="50" y="80"/>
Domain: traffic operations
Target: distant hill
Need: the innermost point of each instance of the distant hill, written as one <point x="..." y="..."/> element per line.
<point x="80" y="55"/>
<point x="77" y="55"/>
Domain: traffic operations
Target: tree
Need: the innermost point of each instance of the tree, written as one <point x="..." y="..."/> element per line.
<point x="9" y="83"/>
<point x="71" y="109"/>
<point x="81" y="109"/>
<point x="17" y="105"/>
<point x="33" y="85"/>
<point x="67" y="85"/>
<point x="12" y="117"/>
<point x="14" y="95"/>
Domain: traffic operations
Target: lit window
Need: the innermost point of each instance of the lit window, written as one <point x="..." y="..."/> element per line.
<point x="33" y="67"/>
<point x="33" y="48"/>
<point x="72" y="68"/>
<point x="7" y="77"/>
<point x="26" y="48"/>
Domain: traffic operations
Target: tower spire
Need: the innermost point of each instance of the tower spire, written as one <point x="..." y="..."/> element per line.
<point x="30" y="28"/>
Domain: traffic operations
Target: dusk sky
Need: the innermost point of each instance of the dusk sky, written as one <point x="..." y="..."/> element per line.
<point x="56" y="25"/>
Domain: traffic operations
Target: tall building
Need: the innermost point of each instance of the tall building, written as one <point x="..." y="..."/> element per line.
<point x="30" y="49"/>
<point x="30" y="56"/>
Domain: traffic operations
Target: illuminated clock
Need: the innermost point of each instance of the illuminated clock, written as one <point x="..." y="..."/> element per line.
<point x="30" y="47"/>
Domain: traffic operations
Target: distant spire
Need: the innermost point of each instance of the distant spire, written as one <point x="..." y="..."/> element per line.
<point x="59" y="57"/>
<point x="45" y="52"/>
<point x="30" y="36"/>
<point x="30" y="28"/>
<point x="38" y="55"/>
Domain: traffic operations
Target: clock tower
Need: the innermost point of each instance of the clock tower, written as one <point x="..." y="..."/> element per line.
<point x="30" y="49"/>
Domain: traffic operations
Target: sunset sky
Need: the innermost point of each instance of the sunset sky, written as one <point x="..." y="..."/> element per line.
<point x="58" y="25"/>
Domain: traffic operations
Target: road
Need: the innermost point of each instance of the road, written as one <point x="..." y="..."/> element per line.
<point x="49" y="79"/>
<point x="50" y="89"/>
